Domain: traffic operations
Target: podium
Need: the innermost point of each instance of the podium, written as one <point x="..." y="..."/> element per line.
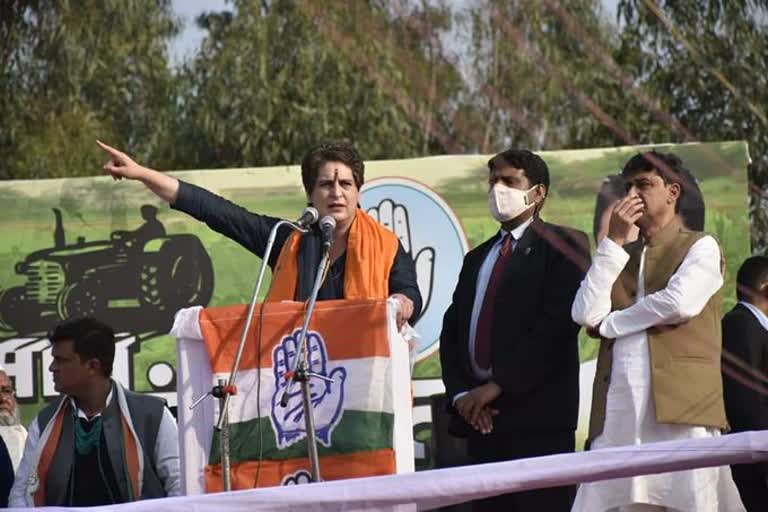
<point x="363" y="415"/>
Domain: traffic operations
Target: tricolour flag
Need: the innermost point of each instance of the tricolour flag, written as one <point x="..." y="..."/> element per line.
<point x="347" y="344"/>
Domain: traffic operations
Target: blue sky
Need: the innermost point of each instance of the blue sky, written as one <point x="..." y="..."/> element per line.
<point x="188" y="41"/>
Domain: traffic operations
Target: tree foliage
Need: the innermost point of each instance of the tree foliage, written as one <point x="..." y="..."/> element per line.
<point x="532" y="74"/>
<point x="273" y="78"/>
<point x="707" y="62"/>
<point x="73" y="71"/>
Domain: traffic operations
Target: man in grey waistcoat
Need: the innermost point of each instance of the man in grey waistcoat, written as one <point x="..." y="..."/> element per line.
<point x="98" y="443"/>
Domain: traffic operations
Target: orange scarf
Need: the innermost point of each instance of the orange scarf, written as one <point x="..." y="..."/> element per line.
<point x="51" y="442"/>
<point x="371" y="250"/>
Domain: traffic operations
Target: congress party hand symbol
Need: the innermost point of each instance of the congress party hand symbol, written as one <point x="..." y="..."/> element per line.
<point x="326" y="396"/>
<point x="394" y="217"/>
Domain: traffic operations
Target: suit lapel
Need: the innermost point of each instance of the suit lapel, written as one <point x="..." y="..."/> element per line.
<point x="524" y="248"/>
<point x="479" y="259"/>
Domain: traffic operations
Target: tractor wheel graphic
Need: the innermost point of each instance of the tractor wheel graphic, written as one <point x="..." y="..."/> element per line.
<point x="17" y="313"/>
<point x="135" y="280"/>
<point x="180" y="276"/>
<point x="81" y="299"/>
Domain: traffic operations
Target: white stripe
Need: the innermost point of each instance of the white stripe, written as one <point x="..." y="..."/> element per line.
<point x="365" y="388"/>
<point x="34" y="482"/>
<point x="123" y="404"/>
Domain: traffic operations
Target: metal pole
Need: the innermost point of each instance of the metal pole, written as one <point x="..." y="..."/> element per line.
<point x="309" y="422"/>
<point x="301" y="373"/>
<point x="224" y="440"/>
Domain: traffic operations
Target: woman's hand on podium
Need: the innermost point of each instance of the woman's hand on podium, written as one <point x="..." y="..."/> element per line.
<point x="404" y="309"/>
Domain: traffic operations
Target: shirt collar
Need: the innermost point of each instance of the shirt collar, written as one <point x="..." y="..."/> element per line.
<point x="81" y="414"/>
<point x="518" y="232"/>
<point x="757" y="312"/>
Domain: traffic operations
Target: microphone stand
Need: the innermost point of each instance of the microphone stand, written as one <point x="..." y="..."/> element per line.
<point x="224" y="390"/>
<point x="301" y="373"/>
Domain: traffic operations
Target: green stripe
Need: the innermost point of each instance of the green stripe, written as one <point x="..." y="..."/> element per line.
<point x="358" y="431"/>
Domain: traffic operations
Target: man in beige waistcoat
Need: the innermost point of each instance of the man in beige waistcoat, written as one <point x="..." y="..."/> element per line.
<point x="655" y="305"/>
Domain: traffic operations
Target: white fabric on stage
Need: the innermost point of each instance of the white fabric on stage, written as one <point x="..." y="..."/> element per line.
<point x="193" y="380"/>
<point x="427" y="490"/>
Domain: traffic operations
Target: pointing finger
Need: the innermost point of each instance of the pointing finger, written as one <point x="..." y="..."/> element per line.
<point x="109" y="149"/>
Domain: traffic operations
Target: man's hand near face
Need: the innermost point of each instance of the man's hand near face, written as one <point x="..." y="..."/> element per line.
<point x="625" y="214"/>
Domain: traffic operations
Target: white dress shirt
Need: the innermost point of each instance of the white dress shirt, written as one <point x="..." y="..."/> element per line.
<point x="630" y="412"/>
<point x="166" y="456"/>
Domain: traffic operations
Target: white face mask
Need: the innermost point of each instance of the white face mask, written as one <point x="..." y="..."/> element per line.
<point x="507" y="203"/>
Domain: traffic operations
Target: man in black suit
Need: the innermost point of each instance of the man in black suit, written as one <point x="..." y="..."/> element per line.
<point x="508" y="346"/>
<point x="745" y="372"/>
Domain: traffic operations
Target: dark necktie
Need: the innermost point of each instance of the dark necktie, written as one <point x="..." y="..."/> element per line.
<point x="485" y="320"/>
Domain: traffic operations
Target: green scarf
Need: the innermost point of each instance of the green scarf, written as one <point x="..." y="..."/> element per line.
<point x="87" y="440"/>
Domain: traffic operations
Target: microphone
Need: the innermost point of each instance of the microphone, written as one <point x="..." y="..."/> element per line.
<point x="327" y="227"/>
<point x="308" y="217"/>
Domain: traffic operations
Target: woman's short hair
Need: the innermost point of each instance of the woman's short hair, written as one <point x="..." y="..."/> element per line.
<point x="321" y="154"/>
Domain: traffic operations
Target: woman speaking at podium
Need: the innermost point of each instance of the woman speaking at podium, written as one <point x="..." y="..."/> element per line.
<point x="367" y="260"/>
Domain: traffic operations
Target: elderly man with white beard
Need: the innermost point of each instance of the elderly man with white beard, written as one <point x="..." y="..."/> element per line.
<point x="11" y="430"/>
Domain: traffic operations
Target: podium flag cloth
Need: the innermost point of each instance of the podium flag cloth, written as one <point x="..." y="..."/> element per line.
<point x="348" y="342"/>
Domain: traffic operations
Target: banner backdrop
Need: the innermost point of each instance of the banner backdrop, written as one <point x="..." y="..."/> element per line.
<point x="83" y="245"/>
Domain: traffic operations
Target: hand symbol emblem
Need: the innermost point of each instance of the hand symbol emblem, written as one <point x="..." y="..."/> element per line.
<point x="327" y="398"/>
<point x="394" y="217"/>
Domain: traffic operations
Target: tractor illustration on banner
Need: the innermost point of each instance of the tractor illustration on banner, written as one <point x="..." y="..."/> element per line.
<point x="136" y="280"/>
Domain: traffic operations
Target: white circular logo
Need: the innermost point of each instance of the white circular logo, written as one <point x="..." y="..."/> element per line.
<point x="160" y="374"/>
